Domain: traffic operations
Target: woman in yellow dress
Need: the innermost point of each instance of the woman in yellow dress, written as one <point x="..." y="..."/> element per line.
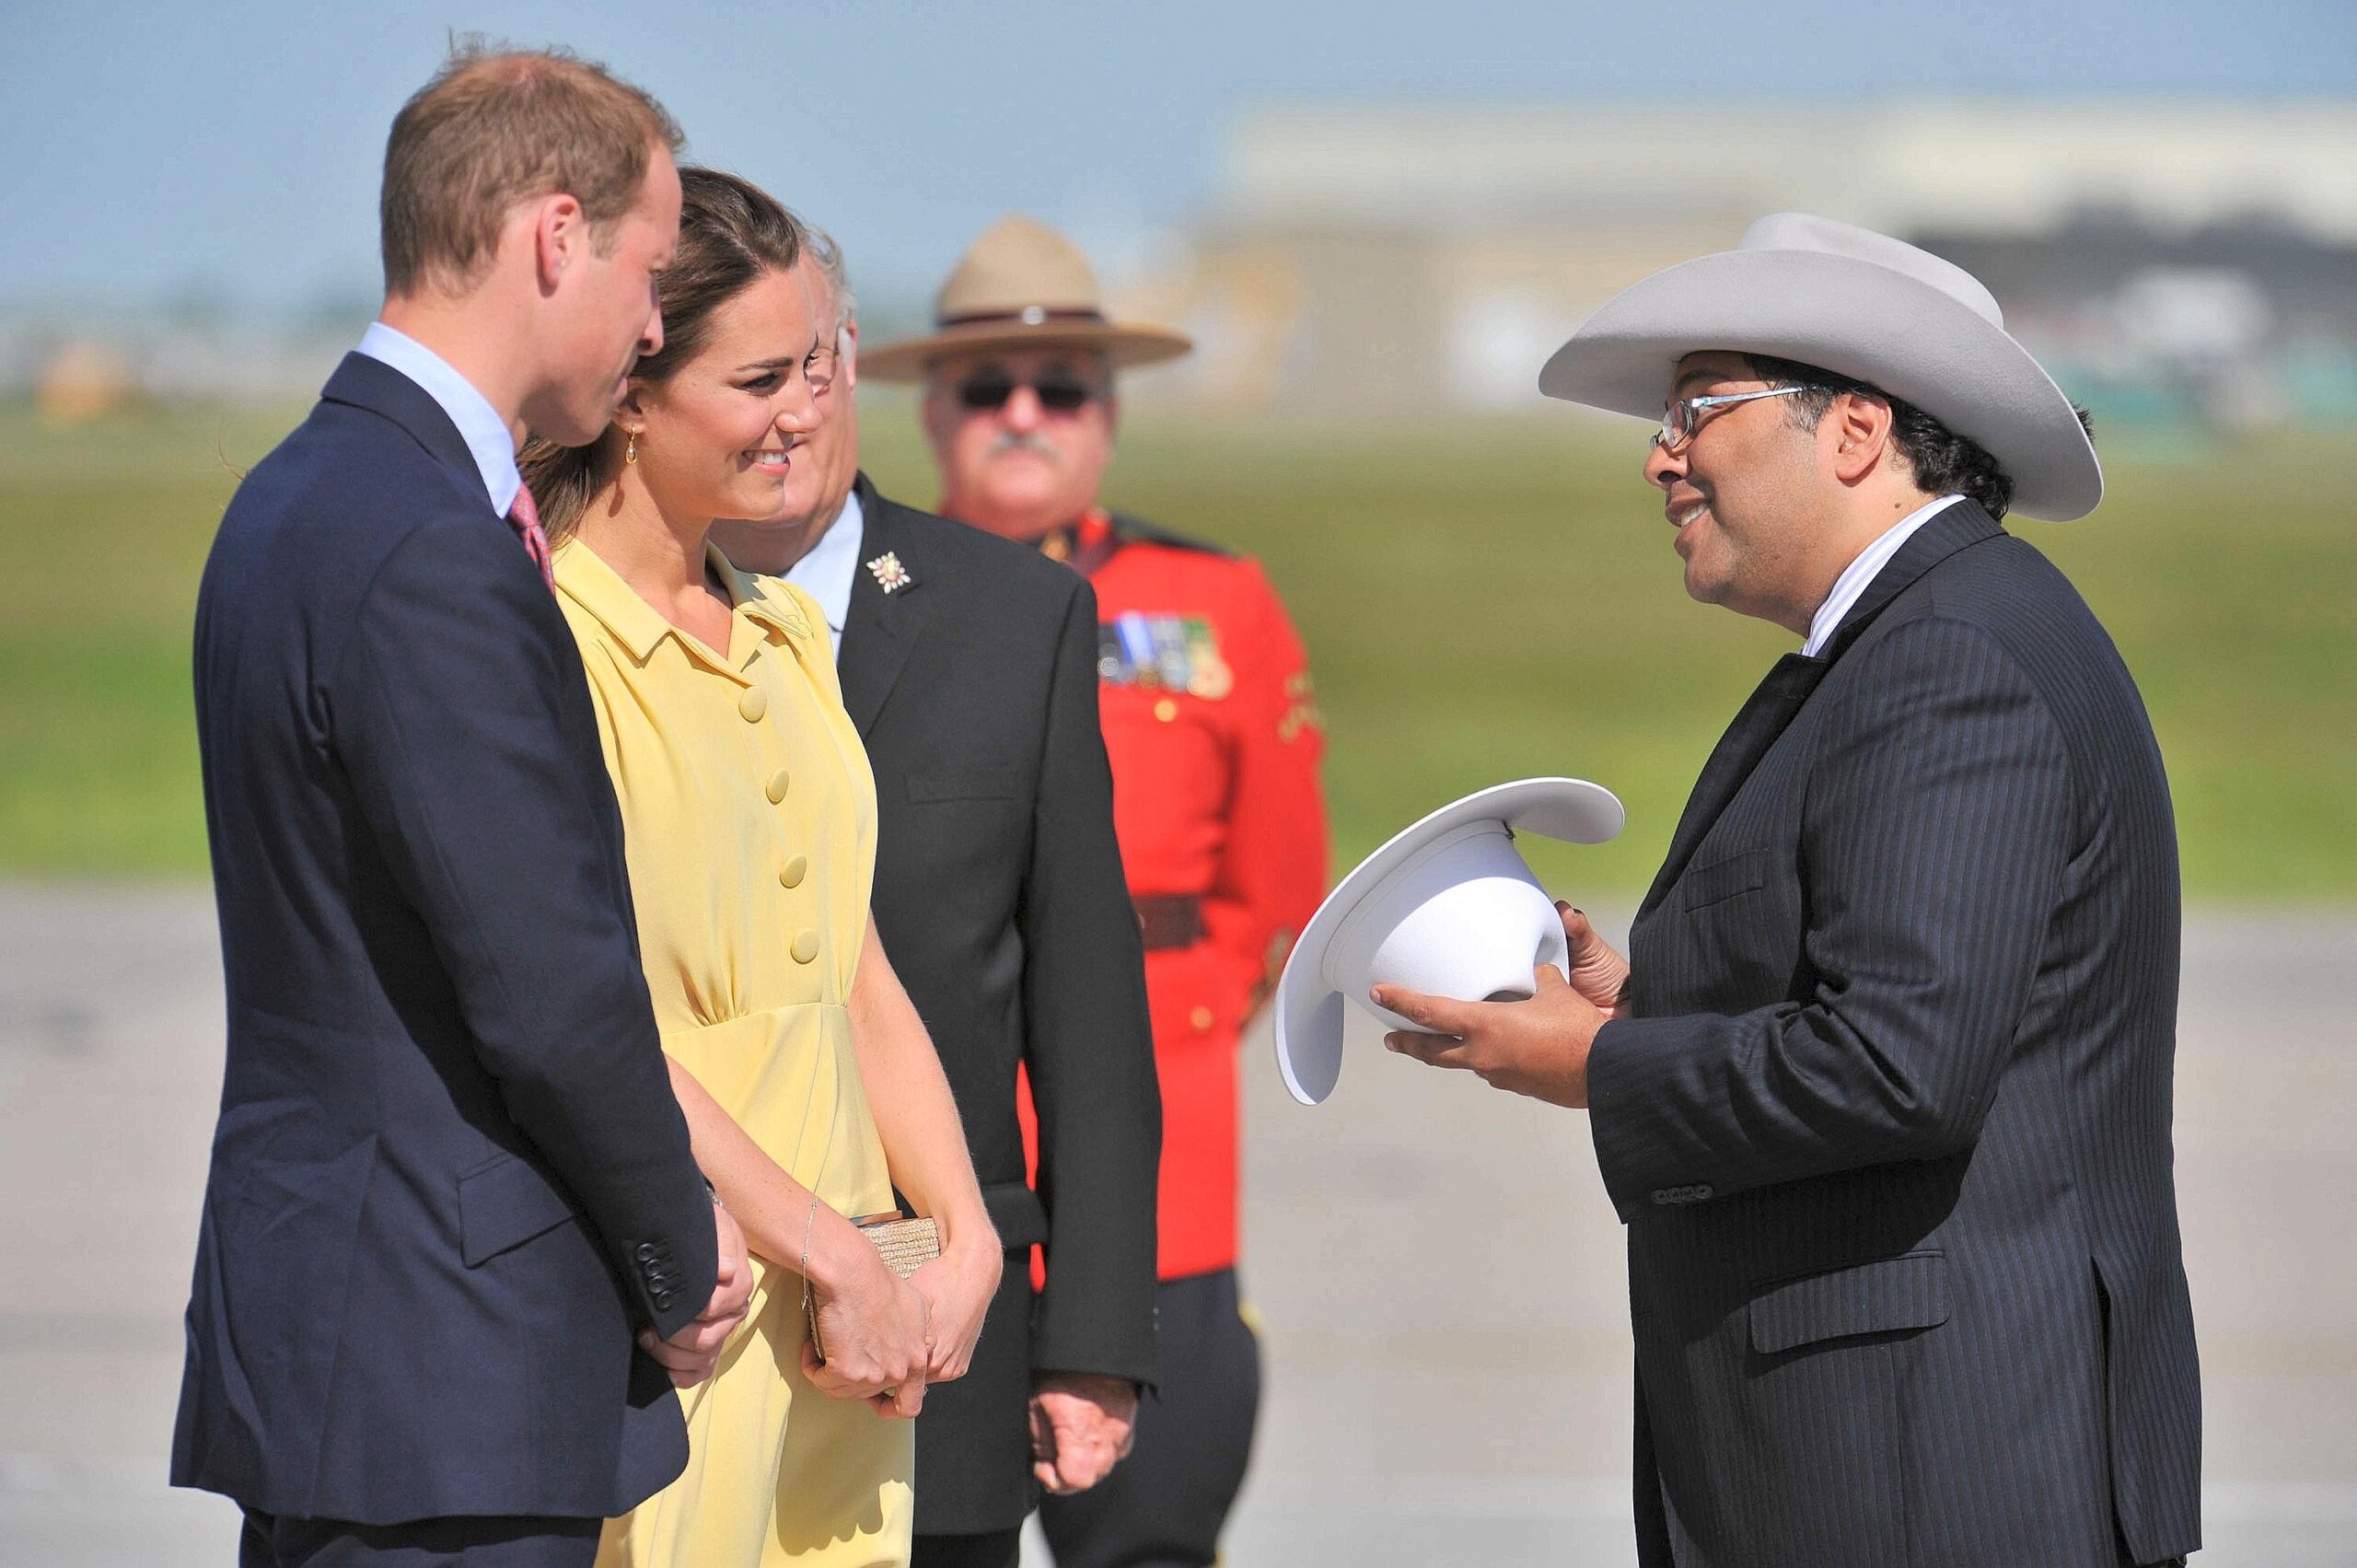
<point x="810" y="1087"/>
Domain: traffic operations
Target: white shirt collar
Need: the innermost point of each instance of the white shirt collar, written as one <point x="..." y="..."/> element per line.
<point x="829" y="568"/>
<point x="1863" y="570"/>
<point x="479" y="424"/>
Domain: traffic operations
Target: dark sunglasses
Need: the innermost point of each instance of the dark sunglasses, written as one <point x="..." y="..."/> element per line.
<point x="1061" y="393"/>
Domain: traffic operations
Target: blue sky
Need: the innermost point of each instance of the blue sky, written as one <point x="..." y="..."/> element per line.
<point x="156" y="151"/>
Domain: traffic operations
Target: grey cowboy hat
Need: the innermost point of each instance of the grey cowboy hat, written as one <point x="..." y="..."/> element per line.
<point x="1862" y="304"/>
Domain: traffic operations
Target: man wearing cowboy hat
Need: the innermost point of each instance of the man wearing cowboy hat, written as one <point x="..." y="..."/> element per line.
<point x="1214" y="736"/>
<point x="969" y="665"/>
<point x="1883" y="1091"/>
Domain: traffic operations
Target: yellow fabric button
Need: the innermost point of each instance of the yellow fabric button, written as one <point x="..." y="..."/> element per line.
<point x="805" y="946"/>
<point x="1202" y="1018"/>
<point x="753" y="705"/>
<point x="790" y="875"/>
<point x="1165" y="710"/>
<point x="775" y="789"/>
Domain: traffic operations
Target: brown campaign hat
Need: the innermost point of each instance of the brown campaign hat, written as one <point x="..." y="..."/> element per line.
<point x="1021" y="286"/>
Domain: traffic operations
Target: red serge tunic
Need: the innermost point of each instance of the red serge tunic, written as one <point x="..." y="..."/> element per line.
<point x="1213" y="730"/>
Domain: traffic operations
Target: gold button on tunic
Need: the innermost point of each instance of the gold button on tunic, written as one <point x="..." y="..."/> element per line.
<point x="751" y="984"/>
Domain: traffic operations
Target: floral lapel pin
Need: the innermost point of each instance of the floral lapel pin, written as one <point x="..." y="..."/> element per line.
<point x="889" y="574"/>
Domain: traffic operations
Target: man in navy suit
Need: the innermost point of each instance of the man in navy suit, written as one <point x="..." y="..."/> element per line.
<point x="450" y="1183"/>
<point x="1883" y="1091"/>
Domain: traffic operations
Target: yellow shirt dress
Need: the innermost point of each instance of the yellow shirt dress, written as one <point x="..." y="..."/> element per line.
<point x="750" y="819"/>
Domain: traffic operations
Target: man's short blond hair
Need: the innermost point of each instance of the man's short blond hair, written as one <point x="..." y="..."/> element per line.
<point x="496" y="127"/>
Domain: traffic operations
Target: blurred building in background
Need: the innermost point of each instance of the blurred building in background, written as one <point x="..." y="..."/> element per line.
<point x="75" y="364"/>
<point x="2174" y="261"/>
<point x="2168" y="259"/>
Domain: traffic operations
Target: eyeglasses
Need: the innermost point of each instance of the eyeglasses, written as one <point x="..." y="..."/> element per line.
<point x="990" y="389"/>
<point x="1682" y="418"/>
<point x="819" y="367"/>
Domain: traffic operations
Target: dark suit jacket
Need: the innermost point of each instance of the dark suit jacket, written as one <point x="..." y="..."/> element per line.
<point x="999" y="900"/>
<point x="1890" y="1124"/>
<point x="449" y="1177"/>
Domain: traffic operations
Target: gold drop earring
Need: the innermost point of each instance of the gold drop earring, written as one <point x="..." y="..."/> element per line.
<point x="629" y="448"/>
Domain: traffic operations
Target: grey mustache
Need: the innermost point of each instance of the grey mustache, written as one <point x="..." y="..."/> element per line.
<point x="1019" y="440"/>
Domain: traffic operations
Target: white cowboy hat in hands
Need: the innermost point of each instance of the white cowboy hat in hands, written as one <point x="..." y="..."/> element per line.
<point x="1447" y="907"/>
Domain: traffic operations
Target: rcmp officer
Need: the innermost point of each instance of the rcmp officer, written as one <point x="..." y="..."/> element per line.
<point x="1213" y="735"/>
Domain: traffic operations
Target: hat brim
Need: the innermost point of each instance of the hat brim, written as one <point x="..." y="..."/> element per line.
<point x="1128" y="345"/>
<point x="1311" y="1017"/>
<point x="1854" y="317"/>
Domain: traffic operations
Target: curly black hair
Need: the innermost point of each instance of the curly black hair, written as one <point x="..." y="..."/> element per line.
<point x="1944" y="462"/>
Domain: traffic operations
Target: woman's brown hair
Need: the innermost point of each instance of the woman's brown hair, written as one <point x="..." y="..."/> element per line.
<point x="731" y="234"/>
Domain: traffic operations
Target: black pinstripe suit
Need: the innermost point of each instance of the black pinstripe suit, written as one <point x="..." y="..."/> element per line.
<point x="1889" y="1121"/>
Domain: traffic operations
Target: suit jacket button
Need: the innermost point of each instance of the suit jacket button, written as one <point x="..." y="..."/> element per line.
<point x="648" y="1252"/>
<point x="805" y="946"/>
<point x="790" y="875"/>
<point x="753" y="705"/>
<point x="775" y="788"/>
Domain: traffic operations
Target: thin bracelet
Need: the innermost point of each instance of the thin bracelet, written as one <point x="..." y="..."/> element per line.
<point x="808" y="1220"/>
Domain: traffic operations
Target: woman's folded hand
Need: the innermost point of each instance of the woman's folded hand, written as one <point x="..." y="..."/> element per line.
<point x="872" y="1322"/>
<point x="957" y="1288"/>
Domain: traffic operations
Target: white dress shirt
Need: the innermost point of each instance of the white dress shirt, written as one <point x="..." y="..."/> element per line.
<point x="1863" y="570"/>
<point x="830" y="567"/>
<point x="479" y="424"/>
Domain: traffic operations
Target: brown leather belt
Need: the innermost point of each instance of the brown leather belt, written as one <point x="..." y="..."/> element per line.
<point x="1169" y="920"/>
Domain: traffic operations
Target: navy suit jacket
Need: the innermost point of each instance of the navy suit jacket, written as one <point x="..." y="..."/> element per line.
<point x="1000" y="897"/>
<point x="1890" y="1124"/>
<point x="449" y="1178"/>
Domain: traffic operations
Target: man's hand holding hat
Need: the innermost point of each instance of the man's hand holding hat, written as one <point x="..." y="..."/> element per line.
<point x="1538" y="1047"/>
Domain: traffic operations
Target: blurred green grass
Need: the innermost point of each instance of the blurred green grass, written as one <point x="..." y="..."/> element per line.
<point x="1481" y="600"/>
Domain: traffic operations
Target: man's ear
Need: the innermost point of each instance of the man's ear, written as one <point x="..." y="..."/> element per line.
<point x="560" y="237"/>
<point x="850" y="355"/>
<point x="1858" y="429"/>
<point x="631" y="412"/>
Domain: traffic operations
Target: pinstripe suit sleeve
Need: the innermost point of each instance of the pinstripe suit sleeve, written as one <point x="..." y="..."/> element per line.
<point x="1937" y="824"/>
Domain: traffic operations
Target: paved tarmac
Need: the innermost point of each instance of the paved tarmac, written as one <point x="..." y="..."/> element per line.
<point x="1438" y="1272"/>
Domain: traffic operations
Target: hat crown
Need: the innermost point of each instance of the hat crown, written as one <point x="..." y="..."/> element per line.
<point x="1463" y="917"/>
<point x="1018" y="264"/>
<point x="1830" y="237"/>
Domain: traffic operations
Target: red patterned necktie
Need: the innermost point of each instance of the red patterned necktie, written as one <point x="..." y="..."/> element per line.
<point x="525" y="517"/>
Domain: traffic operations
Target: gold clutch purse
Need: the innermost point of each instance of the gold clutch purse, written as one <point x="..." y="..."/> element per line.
<point x="905" y="1245"/>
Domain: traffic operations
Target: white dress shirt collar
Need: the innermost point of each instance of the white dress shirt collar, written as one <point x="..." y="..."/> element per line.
<point x="830" y="567"/>
<point x="479" y="424"/>
<point x="1863" y="570"/>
